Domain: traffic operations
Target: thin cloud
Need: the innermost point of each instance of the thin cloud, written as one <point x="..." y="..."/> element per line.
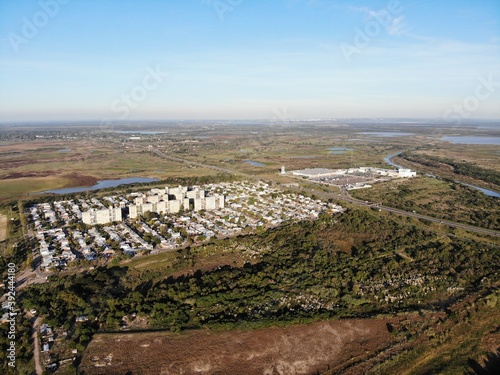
<point x="397" y="26"/>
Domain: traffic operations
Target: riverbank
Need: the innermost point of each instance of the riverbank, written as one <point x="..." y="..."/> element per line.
<point x="389" y="160"/>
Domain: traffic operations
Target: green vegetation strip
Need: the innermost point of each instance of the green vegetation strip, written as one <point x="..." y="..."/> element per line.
<point x="437" y="198"/>
<point x="461" y="168"/>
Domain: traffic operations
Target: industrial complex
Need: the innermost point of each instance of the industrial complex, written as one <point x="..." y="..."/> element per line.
<point x="351" y="178"/>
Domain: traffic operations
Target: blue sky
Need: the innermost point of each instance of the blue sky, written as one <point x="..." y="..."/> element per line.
<point x="248" y="59"/>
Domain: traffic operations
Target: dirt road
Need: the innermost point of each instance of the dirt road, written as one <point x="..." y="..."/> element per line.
<point x="36" y="354"/>
<point x="3" y="227"/>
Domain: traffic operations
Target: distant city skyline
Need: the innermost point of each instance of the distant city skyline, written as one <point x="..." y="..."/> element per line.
<point x="280" y="60"/>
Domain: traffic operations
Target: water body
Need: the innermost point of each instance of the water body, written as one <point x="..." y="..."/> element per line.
<point x="387" y="134"/>
<point x="489" y="193"/>
<point x="143" y="132"/>
<point x="472" y="140"/>
<point x="364" y="140"/>
<point x="303" y="157"/>
<point x="255" y="163"/>
<point x="339" y="150"/>
<point x="104" y="184"/>
<point x="388" y="160"/>
<point x="65" y="150"/>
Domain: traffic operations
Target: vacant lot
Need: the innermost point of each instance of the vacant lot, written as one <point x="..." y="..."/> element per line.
<point x="3" y="227"/>
<point x="452" y="342"/>
<point x="302" y="349"/>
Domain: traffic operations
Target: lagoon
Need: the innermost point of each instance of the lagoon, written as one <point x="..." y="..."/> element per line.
<point x="255" y="163"/>
<point x="143" y="132"/>
<point x="339" y="150"/>
<point x="472" y="140"/>
<point x="103" y="184"/>
<point x="387" y="134"/>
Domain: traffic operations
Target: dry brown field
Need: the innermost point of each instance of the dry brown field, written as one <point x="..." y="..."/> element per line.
<point x="300" y="349"/>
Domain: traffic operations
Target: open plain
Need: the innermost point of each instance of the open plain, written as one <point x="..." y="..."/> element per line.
<point x="367" y="291"/>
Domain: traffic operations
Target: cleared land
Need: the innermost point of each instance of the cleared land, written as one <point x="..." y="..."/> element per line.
<point x="462" y="339"/>
<point x="3" y="227"/>
<point x="302" y="349"/>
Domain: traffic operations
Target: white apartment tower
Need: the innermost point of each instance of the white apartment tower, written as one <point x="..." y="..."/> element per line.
<point x="105" y="216"/>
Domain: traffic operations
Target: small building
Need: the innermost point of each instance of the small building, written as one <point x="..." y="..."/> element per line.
<point x="406" y="173"/>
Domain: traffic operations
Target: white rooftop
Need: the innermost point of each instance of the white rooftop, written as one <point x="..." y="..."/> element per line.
<point x="314" y="171"/>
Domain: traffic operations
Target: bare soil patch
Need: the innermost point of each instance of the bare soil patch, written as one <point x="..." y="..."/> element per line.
<point x="3" y="227"/>
<point x="300" y="349"/>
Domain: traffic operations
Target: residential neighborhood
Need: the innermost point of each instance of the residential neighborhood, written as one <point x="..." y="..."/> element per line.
<point x="162" y="219"/>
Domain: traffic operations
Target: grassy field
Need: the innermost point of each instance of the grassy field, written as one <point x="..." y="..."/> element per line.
<point x="28" y="168"/>
<point x="292" y="153"/>
<point x="437" y="198"/>
<point x="485" y="156"/>
<point x="444" y="170"/>
<point x="188" y="261"/>
<point x="101" y="165"/>
<point x="11" y="189"/>
<point x="230" y="147"/>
